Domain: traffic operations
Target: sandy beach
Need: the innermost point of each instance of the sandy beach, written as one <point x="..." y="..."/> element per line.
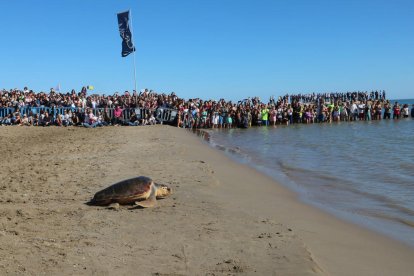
<point x="223" y="218"/>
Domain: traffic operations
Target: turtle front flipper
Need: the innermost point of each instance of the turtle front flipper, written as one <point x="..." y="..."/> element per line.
<point x="151" y="201"/>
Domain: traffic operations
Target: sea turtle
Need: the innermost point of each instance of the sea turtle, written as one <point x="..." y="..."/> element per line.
<point x="139" y="190"/>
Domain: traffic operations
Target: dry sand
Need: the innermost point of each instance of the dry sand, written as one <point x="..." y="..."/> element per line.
<point x="223" y="218"/>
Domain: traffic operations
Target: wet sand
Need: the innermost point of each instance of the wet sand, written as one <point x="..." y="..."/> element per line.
<point x="223" y="218"/>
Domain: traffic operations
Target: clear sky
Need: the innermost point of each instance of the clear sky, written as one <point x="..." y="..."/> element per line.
<point x="228" y="49"/>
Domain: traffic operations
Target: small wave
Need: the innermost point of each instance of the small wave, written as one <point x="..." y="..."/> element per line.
<point x="203" y="134"/>
<point x="308" y="175"/>
<point x="407" y="167"/>
<point x="234" y="151"/>
<point x="385" y="216"/>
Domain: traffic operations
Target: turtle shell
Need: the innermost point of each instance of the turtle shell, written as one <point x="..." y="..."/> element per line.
<point x="124" y="192"/>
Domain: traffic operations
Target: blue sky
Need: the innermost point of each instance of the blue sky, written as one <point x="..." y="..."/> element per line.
<point x="228" y="49"/>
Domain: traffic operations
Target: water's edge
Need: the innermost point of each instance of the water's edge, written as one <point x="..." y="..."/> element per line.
<point x="235" y="155"/>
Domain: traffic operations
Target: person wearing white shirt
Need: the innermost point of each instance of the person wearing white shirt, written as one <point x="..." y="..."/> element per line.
<point x="354" y="111"/>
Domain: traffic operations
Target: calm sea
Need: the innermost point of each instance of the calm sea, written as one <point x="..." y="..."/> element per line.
<point x="359" y="171"/>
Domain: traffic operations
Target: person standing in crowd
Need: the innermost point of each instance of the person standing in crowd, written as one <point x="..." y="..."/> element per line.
<point x="308" y="115"/>
<point x="387" y="111"/>
<point x="396" y="111"/>
<point x="106" y="119"/>
<point x="405" y="112"/>
<point x="297" y="113"/>
<point x="289" y="114"/>
<point x="258" y="116"/>
<point x="204" y="122"/>
<point x="336" y="113"/>
<point x="368" y="111"/>
<point x="321" y="113"/>
<point x="343" y="112"/>
<point x="273" y="116"/>
<point x="354" y="111"/>
<point x="378" y="111"/>
<point x="361" y="111"/>
<point x="215" y="119"/>
<point x="279" y="114"/>
<point x="265" y="115"/>
<point x="179" y="116"/>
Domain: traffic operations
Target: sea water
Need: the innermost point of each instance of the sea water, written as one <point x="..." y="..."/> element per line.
<point x="360" y="171"/>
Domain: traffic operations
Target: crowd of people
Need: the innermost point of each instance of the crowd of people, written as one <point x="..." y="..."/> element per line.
<point x="286" y="111"/>
<point x="78" y="117"/>
<point x="81" y="109"/>
<point x="337" y="96"/>
<point x="16" y="98"/>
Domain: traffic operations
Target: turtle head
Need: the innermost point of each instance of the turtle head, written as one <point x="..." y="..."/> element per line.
<point x="163" y="190"/>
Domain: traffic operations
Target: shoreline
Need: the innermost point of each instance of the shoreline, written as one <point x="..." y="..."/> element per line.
<point x="234" y="153"/>
<point x="223" y="217"/>
<point x="359" y="241"/>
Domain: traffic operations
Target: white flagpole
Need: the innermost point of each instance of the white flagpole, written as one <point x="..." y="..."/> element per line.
<point x="135" y="70"/>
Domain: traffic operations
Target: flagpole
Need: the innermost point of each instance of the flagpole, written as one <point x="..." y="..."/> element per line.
<point x="135" y="70"/>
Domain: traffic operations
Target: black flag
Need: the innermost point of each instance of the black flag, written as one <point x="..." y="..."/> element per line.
<point x="125" y="32"/>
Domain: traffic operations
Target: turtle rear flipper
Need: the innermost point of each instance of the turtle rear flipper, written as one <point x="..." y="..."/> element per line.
<point x="151" y="201"/>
